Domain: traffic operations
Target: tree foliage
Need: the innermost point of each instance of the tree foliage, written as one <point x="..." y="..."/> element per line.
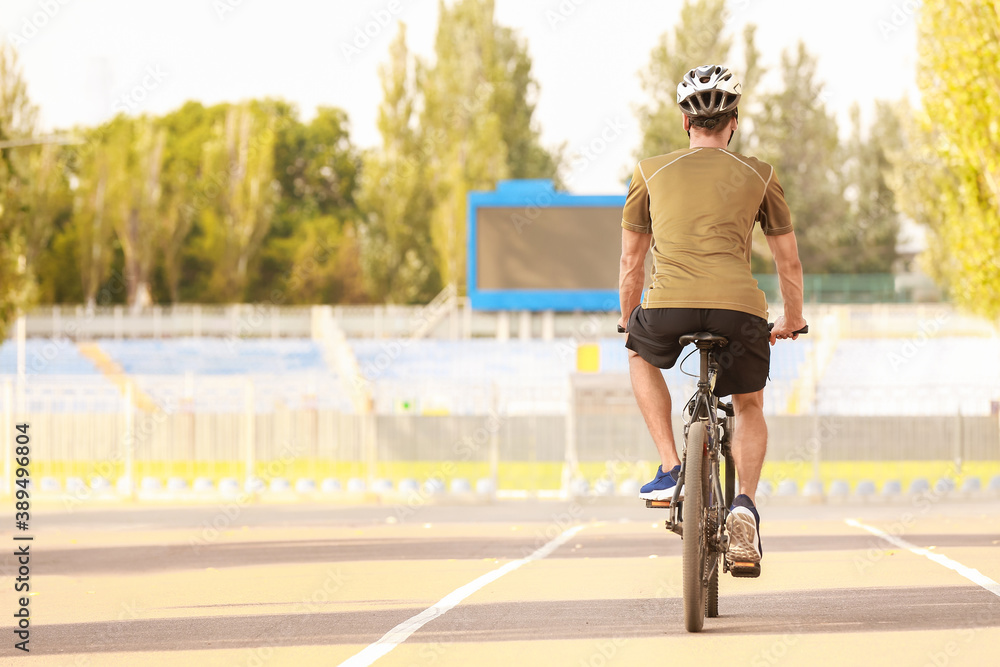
<point x="133" y="200"/>
<point x="240" y="157"/>
<point x="476" y="125"/>
<point x="245" y="201"/>
<point x="798" y="136"/>
<point x="842" y="207"/>
<point x="871" y="225"/>
<point x="33" y="196"/>
<point x="951" y="177"/>
<point x="211" y="204"/>
<point x="311" y="254"/>
<point x="188" y="190"/>
<point x="397" y="254"/>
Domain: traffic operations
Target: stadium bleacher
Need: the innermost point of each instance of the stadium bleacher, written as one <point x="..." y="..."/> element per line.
<point x="529" y="376"/>
<point x="214" y="356"/>
<point x="459" y="377"/>
<point x="879" y="376"/>
<point x="60" y="379"/>
<point x="198" y="373"/>
<point x="911" y="376"/>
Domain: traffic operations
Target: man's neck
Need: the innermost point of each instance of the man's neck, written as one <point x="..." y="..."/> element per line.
<point x="709" y="141"/>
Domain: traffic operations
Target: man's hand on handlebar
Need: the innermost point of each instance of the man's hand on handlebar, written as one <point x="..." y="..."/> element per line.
<point x="782" y="328"/>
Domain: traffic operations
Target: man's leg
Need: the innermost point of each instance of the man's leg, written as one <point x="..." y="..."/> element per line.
<point x="743" y="522"/>
<point x="653" y="397"/>
<point x="749" y="441"/>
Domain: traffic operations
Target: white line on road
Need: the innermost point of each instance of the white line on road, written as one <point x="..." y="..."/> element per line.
<point x="401" y="632"/>
<point x="969" y="573"/>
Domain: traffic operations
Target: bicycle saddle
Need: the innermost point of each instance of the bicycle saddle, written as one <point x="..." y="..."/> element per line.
<point x="703" y="339"/>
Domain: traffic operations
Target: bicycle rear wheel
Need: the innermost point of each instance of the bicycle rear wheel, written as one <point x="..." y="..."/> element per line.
<point x="695" y="547"/>
<point x="712" y="601"/>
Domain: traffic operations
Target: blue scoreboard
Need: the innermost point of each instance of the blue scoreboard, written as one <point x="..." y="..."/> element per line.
<point x="532" y="248"/>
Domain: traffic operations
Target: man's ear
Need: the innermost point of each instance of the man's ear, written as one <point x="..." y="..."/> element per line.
<point x="686" y="122"/>
<point x="734" y="123"/>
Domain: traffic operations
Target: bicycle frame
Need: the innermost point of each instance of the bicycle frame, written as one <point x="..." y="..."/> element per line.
<point x="706" y="406"/>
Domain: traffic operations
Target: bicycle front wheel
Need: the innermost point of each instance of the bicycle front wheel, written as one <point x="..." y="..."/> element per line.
<point x="695" y="548"/>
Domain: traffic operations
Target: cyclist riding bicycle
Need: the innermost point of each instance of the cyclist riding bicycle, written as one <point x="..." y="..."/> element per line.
<point x="695" y="209"/>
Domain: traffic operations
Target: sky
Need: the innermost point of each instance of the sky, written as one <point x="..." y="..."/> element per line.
<point x="85" y="60"/>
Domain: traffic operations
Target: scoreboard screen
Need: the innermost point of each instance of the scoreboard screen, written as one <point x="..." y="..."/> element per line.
<point x="560" y="248"/>
<point x="532" y="248"/>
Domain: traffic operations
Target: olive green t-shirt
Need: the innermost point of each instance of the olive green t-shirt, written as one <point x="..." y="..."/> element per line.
<point x="701" y="204"/>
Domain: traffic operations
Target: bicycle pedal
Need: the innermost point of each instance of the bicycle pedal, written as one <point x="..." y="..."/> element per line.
<point x="744" y="569"/>
<point x="658" y="503"/>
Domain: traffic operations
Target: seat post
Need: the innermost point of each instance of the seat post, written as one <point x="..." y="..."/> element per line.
<point x="703" y="379"/>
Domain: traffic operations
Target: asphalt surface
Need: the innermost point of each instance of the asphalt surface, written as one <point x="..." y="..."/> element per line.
<point x="301" y="585"/>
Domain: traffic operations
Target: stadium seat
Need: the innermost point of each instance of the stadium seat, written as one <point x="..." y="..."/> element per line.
<point x="902" y="376"/>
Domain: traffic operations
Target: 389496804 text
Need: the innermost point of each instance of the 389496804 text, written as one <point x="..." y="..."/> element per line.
<point x="22" y="541"/>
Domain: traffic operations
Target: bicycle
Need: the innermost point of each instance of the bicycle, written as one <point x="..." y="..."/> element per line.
<point x="708" y="432"/>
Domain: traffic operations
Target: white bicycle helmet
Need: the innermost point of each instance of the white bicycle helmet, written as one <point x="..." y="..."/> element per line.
<point x="707" y="91"/>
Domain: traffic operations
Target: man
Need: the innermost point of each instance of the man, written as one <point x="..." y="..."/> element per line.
<point x="696" y="209"/>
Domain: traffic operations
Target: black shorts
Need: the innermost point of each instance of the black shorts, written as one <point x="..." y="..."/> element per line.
<point x="744" y="363"/>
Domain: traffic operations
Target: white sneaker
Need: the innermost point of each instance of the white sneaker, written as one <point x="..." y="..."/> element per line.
<point x="744" y="541"/>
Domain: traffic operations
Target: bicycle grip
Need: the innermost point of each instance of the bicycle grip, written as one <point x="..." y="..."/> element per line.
<point x="621" y="329"/>
<point x="803" y="330"/>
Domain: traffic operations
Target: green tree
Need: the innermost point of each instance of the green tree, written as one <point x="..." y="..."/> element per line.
<point x="119" y="191"/>
<point x="952" y="180"/>
<point x="92" y="226"/>
<point x="396" y="251"/>
<point x="476" y="121"/>
<point x="41" y="206"/>
<point x="188" y="189"/>
<point x="697" y="39"/>
<point x="871" y="226"/>
<point x="311" y="253"/>
<point x="135" y="192"/>
<point x="17" y="122"/>
<point x="240" y="156"/>
<point x="798" y="136"/>
<point x="750" y="77"/>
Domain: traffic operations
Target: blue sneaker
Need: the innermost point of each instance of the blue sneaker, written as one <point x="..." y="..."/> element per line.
<point x="662" y="486"/>
<point x="743" y="526"/>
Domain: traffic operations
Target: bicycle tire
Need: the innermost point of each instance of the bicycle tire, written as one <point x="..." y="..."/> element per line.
<point x="695" y="546"/>
<point x="712" y="595"/>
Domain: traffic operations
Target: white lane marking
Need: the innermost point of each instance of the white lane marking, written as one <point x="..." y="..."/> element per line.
<point x="401" y="632"/>
<point x="969" y="573"/>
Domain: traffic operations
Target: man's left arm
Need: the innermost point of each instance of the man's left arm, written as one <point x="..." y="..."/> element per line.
<point x="637" y="235"/>
<point x="631" y="272"/>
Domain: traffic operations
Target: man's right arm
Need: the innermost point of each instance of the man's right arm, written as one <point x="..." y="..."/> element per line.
<point x="786" y="259"/>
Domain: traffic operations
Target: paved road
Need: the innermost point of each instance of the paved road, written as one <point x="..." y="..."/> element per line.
<point x="314" y="585"/>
